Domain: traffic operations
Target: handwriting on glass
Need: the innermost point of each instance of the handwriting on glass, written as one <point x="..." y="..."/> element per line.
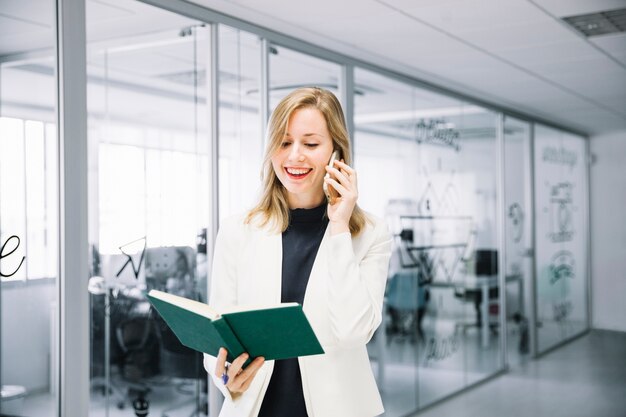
<point x="130" y="259"/>
<point x="4" y="255"/>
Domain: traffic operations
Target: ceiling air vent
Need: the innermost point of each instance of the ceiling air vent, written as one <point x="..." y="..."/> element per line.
<point x="599" y="23"/>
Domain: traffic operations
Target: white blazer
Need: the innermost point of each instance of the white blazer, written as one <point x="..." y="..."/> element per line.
<point x="343" y="302"/>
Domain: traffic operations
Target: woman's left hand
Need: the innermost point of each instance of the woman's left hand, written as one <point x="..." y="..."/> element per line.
<point x="343" y="180"/>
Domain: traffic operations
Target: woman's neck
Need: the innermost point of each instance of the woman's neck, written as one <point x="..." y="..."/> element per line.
<point x="304" y="202"/>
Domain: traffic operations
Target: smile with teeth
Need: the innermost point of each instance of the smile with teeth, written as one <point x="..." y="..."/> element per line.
<point x="298" y="172"/>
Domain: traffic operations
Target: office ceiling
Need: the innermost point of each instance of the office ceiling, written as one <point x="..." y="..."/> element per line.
<point x="515" y="53"/>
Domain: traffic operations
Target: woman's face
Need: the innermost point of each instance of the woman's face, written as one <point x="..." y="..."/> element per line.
<point x="300" y="161"/>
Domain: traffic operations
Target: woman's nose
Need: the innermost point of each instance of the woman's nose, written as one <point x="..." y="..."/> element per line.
<point x="296" y="153"/>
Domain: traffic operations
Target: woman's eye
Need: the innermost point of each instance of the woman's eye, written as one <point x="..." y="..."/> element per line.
<point x="312" y="145"/>
<point x="285" y="144"/>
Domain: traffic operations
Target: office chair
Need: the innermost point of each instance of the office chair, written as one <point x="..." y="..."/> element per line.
<point x="173" y="269"/>
<point x="407" y="292"/>
<point x="139" y="344"/>
<point x="137" y="338"/>
<point x="406" y="304"/>
<point x="184" y="367"/>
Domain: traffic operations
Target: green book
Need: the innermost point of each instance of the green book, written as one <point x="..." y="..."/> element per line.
<point x="277" y="332"/>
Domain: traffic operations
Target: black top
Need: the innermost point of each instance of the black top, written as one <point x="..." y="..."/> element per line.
<point x="301" y="241"/>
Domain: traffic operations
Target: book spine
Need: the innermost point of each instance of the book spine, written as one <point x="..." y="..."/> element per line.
<point x="231" y="342"/>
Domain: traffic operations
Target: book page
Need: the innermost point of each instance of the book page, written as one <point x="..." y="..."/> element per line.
<point x="252" y="307"/>
<point x="186" y="303"/>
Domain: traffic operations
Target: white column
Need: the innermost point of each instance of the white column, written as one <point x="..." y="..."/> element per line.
<point x="73" y="304"/>
<point x="215" y="396"/>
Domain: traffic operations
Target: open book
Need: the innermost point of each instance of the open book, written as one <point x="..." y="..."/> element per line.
<point x="278" y="332"/>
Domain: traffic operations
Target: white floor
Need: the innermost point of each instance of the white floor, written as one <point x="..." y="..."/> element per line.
<point x="420" y="372"/>
<point x="585" y="378"/>
<point x="173" y="398"/>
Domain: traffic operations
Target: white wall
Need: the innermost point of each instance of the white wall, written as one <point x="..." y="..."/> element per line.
<point x="26" y="333"/>
<point x="608" y="231"/>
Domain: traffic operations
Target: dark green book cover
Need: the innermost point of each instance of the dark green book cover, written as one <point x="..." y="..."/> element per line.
<point x="280" y="332"/>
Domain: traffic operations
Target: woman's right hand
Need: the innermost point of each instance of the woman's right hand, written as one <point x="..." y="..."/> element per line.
<point x="239" y="379"/>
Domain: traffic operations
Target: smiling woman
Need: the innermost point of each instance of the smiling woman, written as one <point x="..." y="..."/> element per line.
<point x="294" y="246"/>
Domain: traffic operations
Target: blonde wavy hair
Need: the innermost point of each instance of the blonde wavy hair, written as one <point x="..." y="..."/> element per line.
<point x="272" y="209"/>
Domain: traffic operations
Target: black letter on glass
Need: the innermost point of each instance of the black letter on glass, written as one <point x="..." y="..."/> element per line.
<point x="2" y="255"/>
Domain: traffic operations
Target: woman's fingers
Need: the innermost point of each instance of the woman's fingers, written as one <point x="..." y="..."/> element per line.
<point x="337" y="186"/>
<point x="221" y="362"/>
<point x="247" y="376"/>
<point x="252" y="369"/>
<point x="350" y="171"/>
<point x="237" y="364"/>
<point x="338" y="175"/>
<point x="241" y="379"/>
<point x="344" y="180"/>
<point x="346" y="175"/>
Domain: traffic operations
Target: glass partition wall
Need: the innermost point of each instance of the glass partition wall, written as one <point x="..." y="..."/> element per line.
<point x="427" y="163"/>
<point x="289" y="69"/>
<point x="148" y="206"/>
<point x="29" y="226"/>
<point x="461" y="187"/>
<point x="240" y="124"/>
<point x="561" y="198"/>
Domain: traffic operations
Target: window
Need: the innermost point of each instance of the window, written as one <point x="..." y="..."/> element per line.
<point x="28" y="199"/>
<point x="142" y="189"/>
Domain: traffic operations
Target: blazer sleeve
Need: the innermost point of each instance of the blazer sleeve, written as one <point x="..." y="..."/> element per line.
<point x="356" y="286"/>
<point x="223" y="288"/>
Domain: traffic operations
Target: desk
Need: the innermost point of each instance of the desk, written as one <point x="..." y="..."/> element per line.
<point x="484" y="283"/>
<point x="425" y="257"/>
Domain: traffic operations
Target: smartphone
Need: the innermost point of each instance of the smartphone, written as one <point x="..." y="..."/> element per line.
<point x="331" y="193"/>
